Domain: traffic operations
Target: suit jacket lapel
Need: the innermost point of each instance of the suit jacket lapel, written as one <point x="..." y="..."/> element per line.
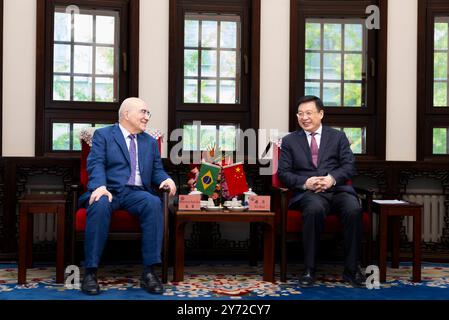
<point x="120" y="139"/>
<point x="323" y="144"/>
<point x="305" y="145"/>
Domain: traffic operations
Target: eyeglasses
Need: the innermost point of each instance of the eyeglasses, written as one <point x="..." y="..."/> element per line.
<point x="145" y="112"/>
<point x="307" y="114"/>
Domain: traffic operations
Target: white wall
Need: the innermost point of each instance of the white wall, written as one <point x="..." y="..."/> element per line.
<point x="153" y="62"/>
<point x="274" y="67"/>
<point x="401" y="80"/>
<point x="19" y="69"/>
<point x="19" y="47"/>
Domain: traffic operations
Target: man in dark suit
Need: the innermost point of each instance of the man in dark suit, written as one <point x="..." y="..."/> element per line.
<point x="123" y="163"/>
<point x="316" y="163"/>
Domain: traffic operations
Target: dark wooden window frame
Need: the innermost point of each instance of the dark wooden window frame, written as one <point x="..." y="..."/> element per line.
<point x="245" y="114"/>
<point x="428" y="116"/>
<point x="374" y="115"/>
<point x="49" y="111"/>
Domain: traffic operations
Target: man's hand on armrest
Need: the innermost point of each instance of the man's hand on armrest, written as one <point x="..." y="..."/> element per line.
<point x="98" y="193"/>
<point x="168" y="184"/>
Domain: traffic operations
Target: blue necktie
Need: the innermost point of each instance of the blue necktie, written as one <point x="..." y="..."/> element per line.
<point x="132" y="157"/>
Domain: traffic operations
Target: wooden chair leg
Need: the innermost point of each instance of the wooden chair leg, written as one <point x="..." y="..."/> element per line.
<point x="165" y="244"/>
<point x="30" y="240"/>
<point x="60" y="216"/>
<point x="23" y="234"/>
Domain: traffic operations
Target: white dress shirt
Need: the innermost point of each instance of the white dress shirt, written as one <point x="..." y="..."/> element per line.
<point x="317" y="136"/>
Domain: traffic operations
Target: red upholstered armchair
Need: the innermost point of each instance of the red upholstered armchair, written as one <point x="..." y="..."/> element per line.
<point x="290" y="221"/>
<point x="124" y="226"/>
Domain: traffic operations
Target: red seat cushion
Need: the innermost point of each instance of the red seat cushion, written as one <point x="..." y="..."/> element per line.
<point x="121" y="221"/>
<point x="332" y="224"/>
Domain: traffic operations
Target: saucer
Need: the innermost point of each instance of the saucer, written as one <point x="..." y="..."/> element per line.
<point x="215" y="208"/>
<point x="239" y="208"/>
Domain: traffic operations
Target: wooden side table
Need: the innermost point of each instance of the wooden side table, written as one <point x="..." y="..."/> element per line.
<point x="266" y="218"/>
<point x="395" y="212"/>
<point x="34" y="204"/>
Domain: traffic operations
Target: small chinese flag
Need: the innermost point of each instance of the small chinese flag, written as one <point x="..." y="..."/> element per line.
<point x="235" y="179"/>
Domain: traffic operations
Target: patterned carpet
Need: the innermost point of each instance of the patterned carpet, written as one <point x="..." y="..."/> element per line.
<point x="229" y="282"/>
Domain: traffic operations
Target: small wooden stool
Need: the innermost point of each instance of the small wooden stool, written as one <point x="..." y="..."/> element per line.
<point x="394" y="212"/>
<point x="34" y="204"/>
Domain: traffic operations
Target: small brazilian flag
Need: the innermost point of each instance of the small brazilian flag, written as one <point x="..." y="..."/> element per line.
<point x="207" y="178"/>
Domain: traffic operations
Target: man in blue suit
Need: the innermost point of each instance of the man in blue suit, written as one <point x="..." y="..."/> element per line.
<point x="123" y="163"/>
<point x="316" y="163"/>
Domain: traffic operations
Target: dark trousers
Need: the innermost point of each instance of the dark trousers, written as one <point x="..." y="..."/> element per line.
<point x="315" y="207"/>
<point x="135" y="200"/>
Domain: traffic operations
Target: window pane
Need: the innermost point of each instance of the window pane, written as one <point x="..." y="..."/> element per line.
<point x="313" y="36"/>
<point x="189" y="137"/>
<point x="209" y="34"/>
<point x="77" y="127"/>
<point x="104" y="89"/>
<point x="208" y="91"/>
<point x="440" y="36"/>
<point x="83" y="27"/>
<point x="191" y="63"/>
<point x="211" y="66"/>
<point x="105" y="29"/>
<point x="62" y="27"/>
<point x="312" y="66"/>
<point x="208" y="137"/>
<point x="440" y="141"/>
<point x="86" y="62"/>
<point x="82" y="89"/>
<point x="61" y="88"/>
<point x="352" y="95"/>
<point x="104" y="61"/>
<point x="228" y="34"/>
<point x="332" y="66"/>
<point x="61" y="136"/>
<point x="190" y="90"/>
<point x="353" y="67"/>
<point x="227" y="91"/>
<point x="191" y="28"/>
<point x="312" y="88"/>
<point x="353" y="37"/>
<point x="331" y="62"/>
<point x="331" y="94"/>
<point x="228" y="64"/>
<point x="101" y="125"/>
<point x="82" y="59"/>
<point x="209" y="63"/>
<point x="440" y="66"/>
<point x="227" y="138"/>
<point x="440" y="94"/>
<point x="332" y="36"/>
<point x="356" y="137"/>
<point x="61" y="62"/>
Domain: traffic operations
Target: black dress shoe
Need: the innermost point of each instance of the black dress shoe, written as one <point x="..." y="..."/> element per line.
<point x="90" y="284"/>
<point x="307" y="279"/>
<point x="151" y="283"/>
<point x="356" y="278"/>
